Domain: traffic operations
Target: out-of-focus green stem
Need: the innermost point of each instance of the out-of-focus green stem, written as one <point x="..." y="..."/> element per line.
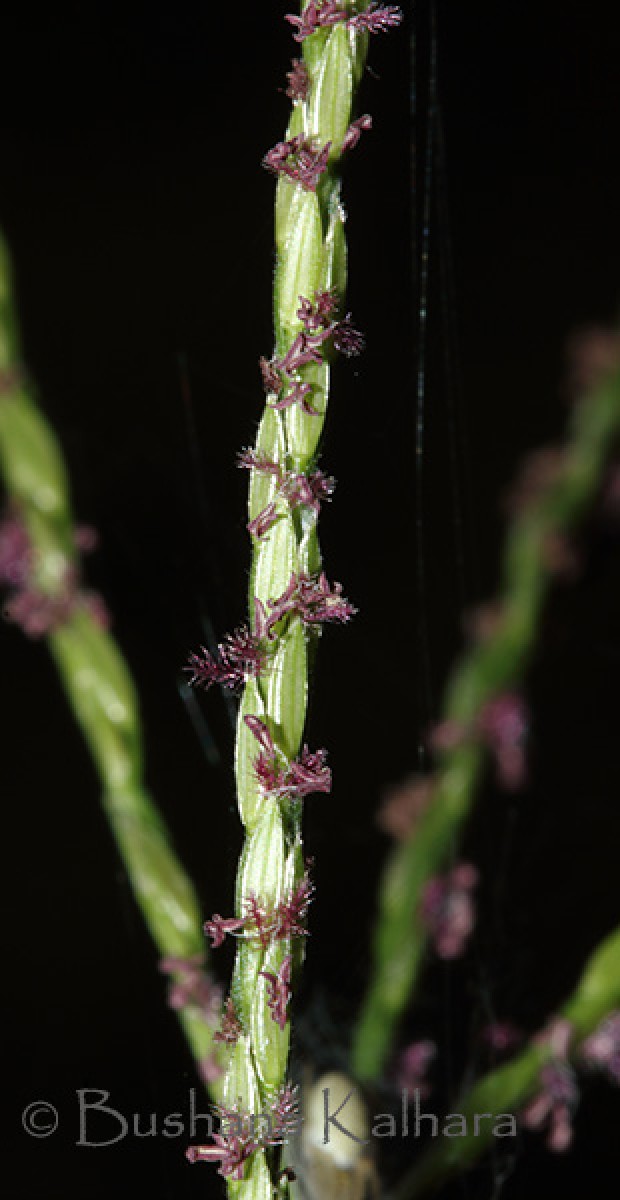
<point x="486" y="670"/>
<point x="508" y="1088"/>
<point x="92" y="670"/>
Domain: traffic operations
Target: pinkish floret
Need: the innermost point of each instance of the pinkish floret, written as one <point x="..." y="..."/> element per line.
<point x="404" y="806"/>
<point x="317" y="314"/>
<point x="602" y="1048"/>
<point x="308" y="773"/>
<point x="299" y="159"/>
<point x="501" y="1036"/>
<point x="251" y="461"/>
<point x="294" y="487"/>
<point x="411" y="1069"/>
<point x="265" y="923"/>
<point x="192" y="986"/>
<point x="15" y="552"/>
<point x="316" y="15"/>
<point x="313" y="599"/>
<point x="301" y="777"/>
<point x="35" y="611"/>
<point x="554" y="1105"/>
<point x="292" y="910"/>
<point x="231" y="1153"/>
<point x="38" y="614"/>
<point x="447" y="909"/>
<point x="239" y="1136"/>
<point x="503" y="724"/>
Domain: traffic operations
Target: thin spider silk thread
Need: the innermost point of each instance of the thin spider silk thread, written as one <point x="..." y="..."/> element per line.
<point x="461" y="506"/>
<point x="420" y="273"/>
<point x="465" y="548"/>
<point x="435" y="199"/>
<point x="421" y="245"/>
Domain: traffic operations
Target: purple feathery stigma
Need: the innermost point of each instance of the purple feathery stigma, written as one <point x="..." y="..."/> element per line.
<point x="239" y="657"/>
<point x="376" y="18"/>
<point x="316" y="15"/>
<point x="347" y="339"/>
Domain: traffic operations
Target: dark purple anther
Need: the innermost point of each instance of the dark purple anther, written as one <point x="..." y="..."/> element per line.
<point x="279" y="991"/>
<point x="354" y="132"/>
<point x="298" y="80"/>
<point x="317" y="315"/>
<point x="230" y="1027"/>
<point x="218" y="927"/>
<point x="263" y="522"/>
<point x="299" y="394"/>
<point x="272" y="382"/>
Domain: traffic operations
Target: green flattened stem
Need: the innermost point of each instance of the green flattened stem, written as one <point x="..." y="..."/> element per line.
<point x="331" y="98"/>
<point x="270" y="1040"/>
<point x="508" y="1088"/>
<point x="486" y="670"/>
<point x="310" y="257"/>
<point x="94" y="675"/>
<point x="287" y="688"/>
<point x="248" y="792"/>
<point x="299" y="247"/>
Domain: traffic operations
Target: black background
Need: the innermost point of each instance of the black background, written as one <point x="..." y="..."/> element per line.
<point x="139" y="218"/>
